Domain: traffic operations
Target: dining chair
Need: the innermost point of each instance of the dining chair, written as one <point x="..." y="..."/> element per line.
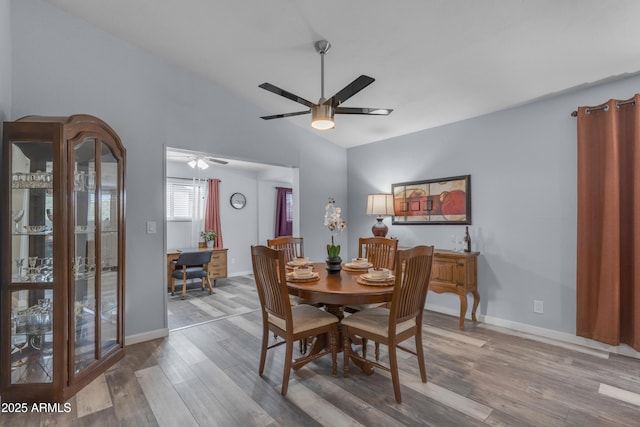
<point x="380" y="251"/>
<point x="293" y="247"/>
<point x="191" y="265"/>
<point x="401" y="321"/>
<point x="291" y="323"/>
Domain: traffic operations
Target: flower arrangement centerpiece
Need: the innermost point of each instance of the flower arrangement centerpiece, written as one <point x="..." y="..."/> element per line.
<point x="336" y="224"/>
<point x="209" y="236"/>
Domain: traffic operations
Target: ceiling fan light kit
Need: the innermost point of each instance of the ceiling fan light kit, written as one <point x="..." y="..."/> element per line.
<point x="322" y="112"/>
<point x="322" y="117"/>
<point x="199" y="162"/>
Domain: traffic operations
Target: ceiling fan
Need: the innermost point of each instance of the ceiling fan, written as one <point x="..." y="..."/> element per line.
<point x="322" y="112"/>
<point x="203" y="162"/>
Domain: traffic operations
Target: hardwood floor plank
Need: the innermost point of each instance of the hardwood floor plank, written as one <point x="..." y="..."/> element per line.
<point x="446" y="397"/>
<point x="164" y="400"/>
<point x="243" y="408"/>
<point x="104" y="418"/>
<point x="203" y="404"/>
<point x="207" y="308"/>
<point x="465" y="338"/>
<point x="247" y="325"/>
<point x="317" y="408"/>
<point x="185" y="349"/>
<point x="94" y="397"/>
<point x="620" y="394"/>
<point x="130" y="404"/>
<point x="352" y="405"/>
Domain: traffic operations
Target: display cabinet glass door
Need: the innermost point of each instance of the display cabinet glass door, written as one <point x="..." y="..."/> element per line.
<point x="95" y="252"/>
<point x="31" y="247"/>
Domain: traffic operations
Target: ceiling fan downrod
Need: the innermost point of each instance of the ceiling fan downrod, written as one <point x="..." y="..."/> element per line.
<point x="322" y="47"/>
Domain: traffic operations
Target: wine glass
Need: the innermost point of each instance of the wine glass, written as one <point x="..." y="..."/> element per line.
<point x="17" y="216"/>
<point x="19" y="264"/>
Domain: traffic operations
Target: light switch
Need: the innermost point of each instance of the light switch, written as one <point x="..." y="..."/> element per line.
<point x="151" y="227"/>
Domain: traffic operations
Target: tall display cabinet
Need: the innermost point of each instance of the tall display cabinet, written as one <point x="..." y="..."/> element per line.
<point x="62" y="241"/>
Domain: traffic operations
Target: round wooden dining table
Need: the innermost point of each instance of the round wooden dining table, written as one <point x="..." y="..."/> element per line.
<point x="335" y="291"/>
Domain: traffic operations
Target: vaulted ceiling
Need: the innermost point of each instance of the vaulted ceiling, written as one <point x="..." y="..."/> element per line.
<point x="434" y="61"/>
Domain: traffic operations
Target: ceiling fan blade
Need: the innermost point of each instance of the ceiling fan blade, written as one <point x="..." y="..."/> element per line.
<point x="279" y="116"/>
<point x="351" y="89"/>
<point x="221" y="162"/>
<point x="367" y="111"/>
<point x="288" y="95"/>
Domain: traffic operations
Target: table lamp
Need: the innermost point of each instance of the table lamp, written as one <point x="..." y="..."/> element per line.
<point x="380" y="205"/>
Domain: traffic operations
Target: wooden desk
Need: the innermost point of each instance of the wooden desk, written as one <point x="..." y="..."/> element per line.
<point x="217" y="265"/>
<point x="456" y="272"/>
<point x="336" y="291"/>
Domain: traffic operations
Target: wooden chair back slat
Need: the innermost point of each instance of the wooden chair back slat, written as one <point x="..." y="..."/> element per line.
<point x="293" y="247"/>
<point x="269" y="274"/>
<point x="413" y="271"/>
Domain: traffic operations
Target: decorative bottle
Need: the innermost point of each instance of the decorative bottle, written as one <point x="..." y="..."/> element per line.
<point x="467" y="240"/>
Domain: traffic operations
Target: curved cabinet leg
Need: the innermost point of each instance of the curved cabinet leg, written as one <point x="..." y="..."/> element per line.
<point x="476" y="301"/>
<point x="463" y="310"/>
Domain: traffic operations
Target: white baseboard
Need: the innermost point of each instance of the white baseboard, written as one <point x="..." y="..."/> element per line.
<point x="541" y="334"/>
<point x="146" y="336"/>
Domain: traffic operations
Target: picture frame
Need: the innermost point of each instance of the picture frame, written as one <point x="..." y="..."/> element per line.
<point x="442" y="201"/>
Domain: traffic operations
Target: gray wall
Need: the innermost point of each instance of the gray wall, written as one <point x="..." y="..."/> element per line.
<point x="62" y="65"/>
<point x="5" y="60"/>
<point x="522" y="163"/>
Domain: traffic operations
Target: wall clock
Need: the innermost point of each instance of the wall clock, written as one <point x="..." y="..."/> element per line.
<point x="238" y="200"/>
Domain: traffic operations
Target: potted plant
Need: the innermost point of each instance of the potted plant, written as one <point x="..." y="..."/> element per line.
<point x="336" y="224"/>
<point x="209" y="236"/>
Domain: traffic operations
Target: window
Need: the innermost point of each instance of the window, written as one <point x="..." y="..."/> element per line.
<point x="179" y="201"/>
<point x="289" y="203"/>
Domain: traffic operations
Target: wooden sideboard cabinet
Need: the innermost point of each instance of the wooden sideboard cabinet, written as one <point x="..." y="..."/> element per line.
<point x="217" y="265"/>
<point x="456" y="272"/>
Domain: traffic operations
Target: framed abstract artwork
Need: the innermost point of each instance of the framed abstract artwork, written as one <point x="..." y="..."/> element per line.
<point x="433" y="201"/>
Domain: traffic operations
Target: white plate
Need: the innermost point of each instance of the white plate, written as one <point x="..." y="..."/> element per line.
<point x="298" y="262"/>
<point x="358" y="266"/>
<point x="370" y="278"/>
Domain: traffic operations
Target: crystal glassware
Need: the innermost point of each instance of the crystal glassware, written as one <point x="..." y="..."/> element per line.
<point x="17" y="217"/>
<point x="19" y="264"/>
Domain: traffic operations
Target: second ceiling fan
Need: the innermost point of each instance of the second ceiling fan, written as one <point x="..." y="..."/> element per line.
<point x="322" y="112"/>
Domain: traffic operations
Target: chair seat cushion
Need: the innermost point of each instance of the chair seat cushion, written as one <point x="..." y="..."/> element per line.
<point x="376" y="320"/>
<point x="192" y="273"/>
<point x="305" y="317"/>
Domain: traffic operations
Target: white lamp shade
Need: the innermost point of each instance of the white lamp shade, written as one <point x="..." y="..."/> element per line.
<point x="380" y="204"/>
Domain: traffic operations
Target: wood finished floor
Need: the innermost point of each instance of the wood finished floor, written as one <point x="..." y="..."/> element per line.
<point x="206" y="375"/>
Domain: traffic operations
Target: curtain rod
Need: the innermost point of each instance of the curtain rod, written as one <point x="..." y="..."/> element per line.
<point x="187" y="179"/>
<point x="605" y="107"/>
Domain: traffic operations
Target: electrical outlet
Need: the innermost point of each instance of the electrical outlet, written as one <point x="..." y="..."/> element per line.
<point x="151" y="227"/>
<point x="538" y="306"/>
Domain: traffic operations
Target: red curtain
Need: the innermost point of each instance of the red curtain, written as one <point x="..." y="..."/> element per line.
<point x="608" y="245"/>
<point x="212" y="211"/>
